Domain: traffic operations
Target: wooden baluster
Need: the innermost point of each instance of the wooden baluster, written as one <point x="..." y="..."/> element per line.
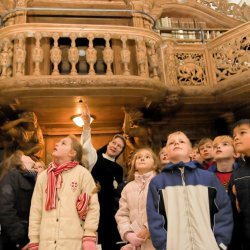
<point x="108" y="55"/>
<point x="73" y="54"/>
<point x="125" y="55"/>
<point x="37" y="54"/>
<point x="141" y="56"/>
<point x="20" y="56"/>
<point x="6" y="58"/>
<point x="55" y="54"/>
<point x="91" y="55"/>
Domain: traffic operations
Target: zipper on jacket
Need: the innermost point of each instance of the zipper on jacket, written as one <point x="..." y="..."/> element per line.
<point x="187" y="206"/>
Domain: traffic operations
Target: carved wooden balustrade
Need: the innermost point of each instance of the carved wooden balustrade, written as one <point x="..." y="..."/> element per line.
<point x="212" y="68"/>
<point x="53" y="55"/>
<point x="40" y="56"/>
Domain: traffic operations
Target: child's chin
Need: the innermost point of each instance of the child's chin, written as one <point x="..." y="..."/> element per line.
<point x="54" y="154"/>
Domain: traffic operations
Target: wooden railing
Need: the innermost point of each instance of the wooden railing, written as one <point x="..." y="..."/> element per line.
<point x="53" y="49"/>
<point x="186" y="35"/>
<point x="205" y="69"/>
<point x="42" y="53"/>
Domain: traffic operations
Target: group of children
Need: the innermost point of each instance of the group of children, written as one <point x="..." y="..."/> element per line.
<point x="175" y="205"/>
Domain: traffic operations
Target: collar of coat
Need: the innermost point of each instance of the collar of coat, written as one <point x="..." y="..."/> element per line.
<point x="171" y="166"/>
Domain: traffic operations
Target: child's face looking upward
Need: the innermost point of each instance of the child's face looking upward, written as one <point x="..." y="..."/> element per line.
<point x="179" y="148"/>
<point x="195" y="155"/>
<point x="164" y="156"/>
<point x="144" y="161"/>
<point x="206" y="151"/>
<point x="63" y="151"/>
<point x="241" y="136"/>
<point x="223" y="150"/>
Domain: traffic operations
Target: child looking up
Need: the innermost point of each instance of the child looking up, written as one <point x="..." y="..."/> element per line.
<point x="64" y="210"/>
<point x="224" y="156"/>
<point x="187" y="207"/>
<point x="131" y="216"/>
<point x="195" y="155"/>
<point x="205" y="148"/>
<point x="163" y="155"/>
<point x="239" y="187"/>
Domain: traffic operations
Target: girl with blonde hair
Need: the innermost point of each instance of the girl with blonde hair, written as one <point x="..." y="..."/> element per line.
<point x="131" y="217"/>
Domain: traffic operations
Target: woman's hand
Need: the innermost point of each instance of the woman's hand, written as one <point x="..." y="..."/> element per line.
<point x="86" y="115"/>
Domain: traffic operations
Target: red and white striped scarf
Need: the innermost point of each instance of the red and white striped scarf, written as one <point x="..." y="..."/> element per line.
<point x="55" y="181"/>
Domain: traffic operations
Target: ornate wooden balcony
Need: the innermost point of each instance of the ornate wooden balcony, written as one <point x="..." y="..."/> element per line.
<point x="43" y="57"/>
<point x="212" y="69"/>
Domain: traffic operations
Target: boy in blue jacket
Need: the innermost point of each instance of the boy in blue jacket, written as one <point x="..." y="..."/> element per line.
<point x="187" y="207"/>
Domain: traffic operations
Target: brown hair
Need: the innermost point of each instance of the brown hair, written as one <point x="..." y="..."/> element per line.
<point x="77" y="147"/>
<point x="12" y="162"/>
<point x="157" y="166"/>
<point x="204" y="141"/>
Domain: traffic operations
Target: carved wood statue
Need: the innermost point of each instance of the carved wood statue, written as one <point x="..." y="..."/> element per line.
<point x="136" y="131"/>
<point x="23" y="134"/>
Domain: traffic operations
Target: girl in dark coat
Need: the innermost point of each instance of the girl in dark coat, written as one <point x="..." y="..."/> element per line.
<point x="16" y="188"/>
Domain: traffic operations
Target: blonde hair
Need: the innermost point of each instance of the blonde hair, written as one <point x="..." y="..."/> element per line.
<point x="157" y="166"/>
<point x="177" y="133"/>
<point x="77" y="147"/>
<point x="223" y="138"/>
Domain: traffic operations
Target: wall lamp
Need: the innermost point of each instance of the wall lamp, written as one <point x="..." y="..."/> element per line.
<point x="77" y="119"/>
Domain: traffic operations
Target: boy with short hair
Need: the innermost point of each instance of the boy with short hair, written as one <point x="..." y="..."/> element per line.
<point x="195" y="154"/>
<point x="239" y="187"/>
<point x="187" y="207"/>
<point x="224" y="156"/>
<point x="205" y="148"/>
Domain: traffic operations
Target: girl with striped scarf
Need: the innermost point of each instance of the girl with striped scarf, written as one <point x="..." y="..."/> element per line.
<point x="64" y="210"/>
